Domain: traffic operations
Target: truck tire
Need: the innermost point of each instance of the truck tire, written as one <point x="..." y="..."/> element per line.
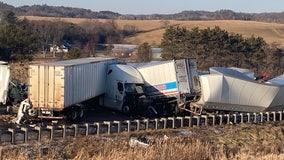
<point x="80" y="113"/>
<point x="125" y="109"/>
<point x="32" y="112"/>
<point x="72" y="115"/>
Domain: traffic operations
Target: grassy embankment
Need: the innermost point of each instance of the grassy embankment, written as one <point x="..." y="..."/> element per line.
<point x="246" y="141"/>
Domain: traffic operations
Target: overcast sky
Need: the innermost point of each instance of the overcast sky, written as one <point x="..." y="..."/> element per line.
<point x="161" y="6"/>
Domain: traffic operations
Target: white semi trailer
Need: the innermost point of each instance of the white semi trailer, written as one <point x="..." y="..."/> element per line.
<point x="170" y="84"/>
<point x="4" y="79"/>
<point x="58" y="89"/>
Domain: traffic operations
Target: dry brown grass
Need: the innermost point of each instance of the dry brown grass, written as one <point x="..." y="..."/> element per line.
<point x="152" y="30"/>
<point x="247" y="141"/>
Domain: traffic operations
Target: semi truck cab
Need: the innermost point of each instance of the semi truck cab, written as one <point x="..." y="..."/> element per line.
<point x="124" y="90"/>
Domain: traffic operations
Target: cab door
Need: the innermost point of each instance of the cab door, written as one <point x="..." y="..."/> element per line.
<point x="114" y="95"/>
<point x="119" y="92"/>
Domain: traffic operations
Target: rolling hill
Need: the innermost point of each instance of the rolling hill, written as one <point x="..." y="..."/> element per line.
<point x="151" y="31"/>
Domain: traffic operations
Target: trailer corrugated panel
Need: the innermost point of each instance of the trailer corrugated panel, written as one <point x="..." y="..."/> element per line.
<point x="170" y="78"/>
<point x="187" y="76"/>
<point x="183" y="78"/>
<point x="231" y="90"/>
<point x="62" y="84"/>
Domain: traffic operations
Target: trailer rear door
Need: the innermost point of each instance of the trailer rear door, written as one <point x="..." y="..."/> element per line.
<point x="187" y="77"/>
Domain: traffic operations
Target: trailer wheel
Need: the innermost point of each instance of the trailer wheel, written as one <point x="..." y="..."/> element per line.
<point x="72" y="115"/>
<point x="32" y="112"/>
<point x="80" y="113"/>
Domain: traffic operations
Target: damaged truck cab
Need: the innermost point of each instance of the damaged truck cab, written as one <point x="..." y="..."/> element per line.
<point x="124" y="90"/>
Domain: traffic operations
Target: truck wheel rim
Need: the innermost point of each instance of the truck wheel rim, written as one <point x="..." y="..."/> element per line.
<point x="73" y="115"/>
<point x="81" y="113"/>
<point x="125" y="109"/>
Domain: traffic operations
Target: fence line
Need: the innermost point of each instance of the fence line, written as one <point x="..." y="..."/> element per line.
<point x="26" y="134"/>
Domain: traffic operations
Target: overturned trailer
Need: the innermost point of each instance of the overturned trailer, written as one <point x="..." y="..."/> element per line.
<point x="234" y="90"/>
<point x="170" y="84"/>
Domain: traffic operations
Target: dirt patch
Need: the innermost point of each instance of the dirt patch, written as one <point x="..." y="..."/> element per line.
<point x="5" y="118"/>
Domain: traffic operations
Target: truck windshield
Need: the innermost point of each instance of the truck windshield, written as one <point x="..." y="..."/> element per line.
<point x="134" y="88"/>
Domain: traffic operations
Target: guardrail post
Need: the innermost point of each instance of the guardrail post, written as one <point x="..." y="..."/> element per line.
<point x="197" y="120"/>
<point x="63" y="131"/>
<point x="274" y="116"/>
<point x="280" y="115"/>
<point x="137" y="124"/>
<point x="25" y="130"/>
<point x="248" y="114"/>
<point x="39" y="129"/>
<point x="255" y="117"/>
<point x="189" y="120"/>
<point x="205" y="119"/>
<point x="12" y="130"/>
<point x="242" y="117"/>
<point x="98" y="127"/>
<point x="228" y="118"/>
<point x="146" y="121"/>
<point x="118" y="125"/>
<point x="128" y="125"/>
<point x="51" y="128"/>
<point x="108" y="126"/>
<point x="156" y="123"/>
<point x="173" y="121"/>
<point x="261" y="117"/>
<point x="181" y="121"/>
<point x="268" y="116"/>
<point x="235" y="118"/>
<point x="164" y="122"/>
<point x="213" y="119"/>
<point x="87" y="125"/>
<point x="221" y="119"/>
<point x="75" y="126"/>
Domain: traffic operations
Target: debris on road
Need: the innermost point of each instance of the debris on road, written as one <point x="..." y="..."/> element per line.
<point x="134" y="142"/>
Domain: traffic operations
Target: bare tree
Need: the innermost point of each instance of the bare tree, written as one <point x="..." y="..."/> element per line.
<point x="144" y="53"/>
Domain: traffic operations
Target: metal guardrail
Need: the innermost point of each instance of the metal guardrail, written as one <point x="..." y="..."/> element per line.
<point x="38" y="133"/>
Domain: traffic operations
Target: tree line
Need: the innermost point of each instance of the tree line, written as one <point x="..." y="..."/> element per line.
<point x="21" y="38"/>
<point x="61" y="11"/>
<point x="217" y="47"/>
